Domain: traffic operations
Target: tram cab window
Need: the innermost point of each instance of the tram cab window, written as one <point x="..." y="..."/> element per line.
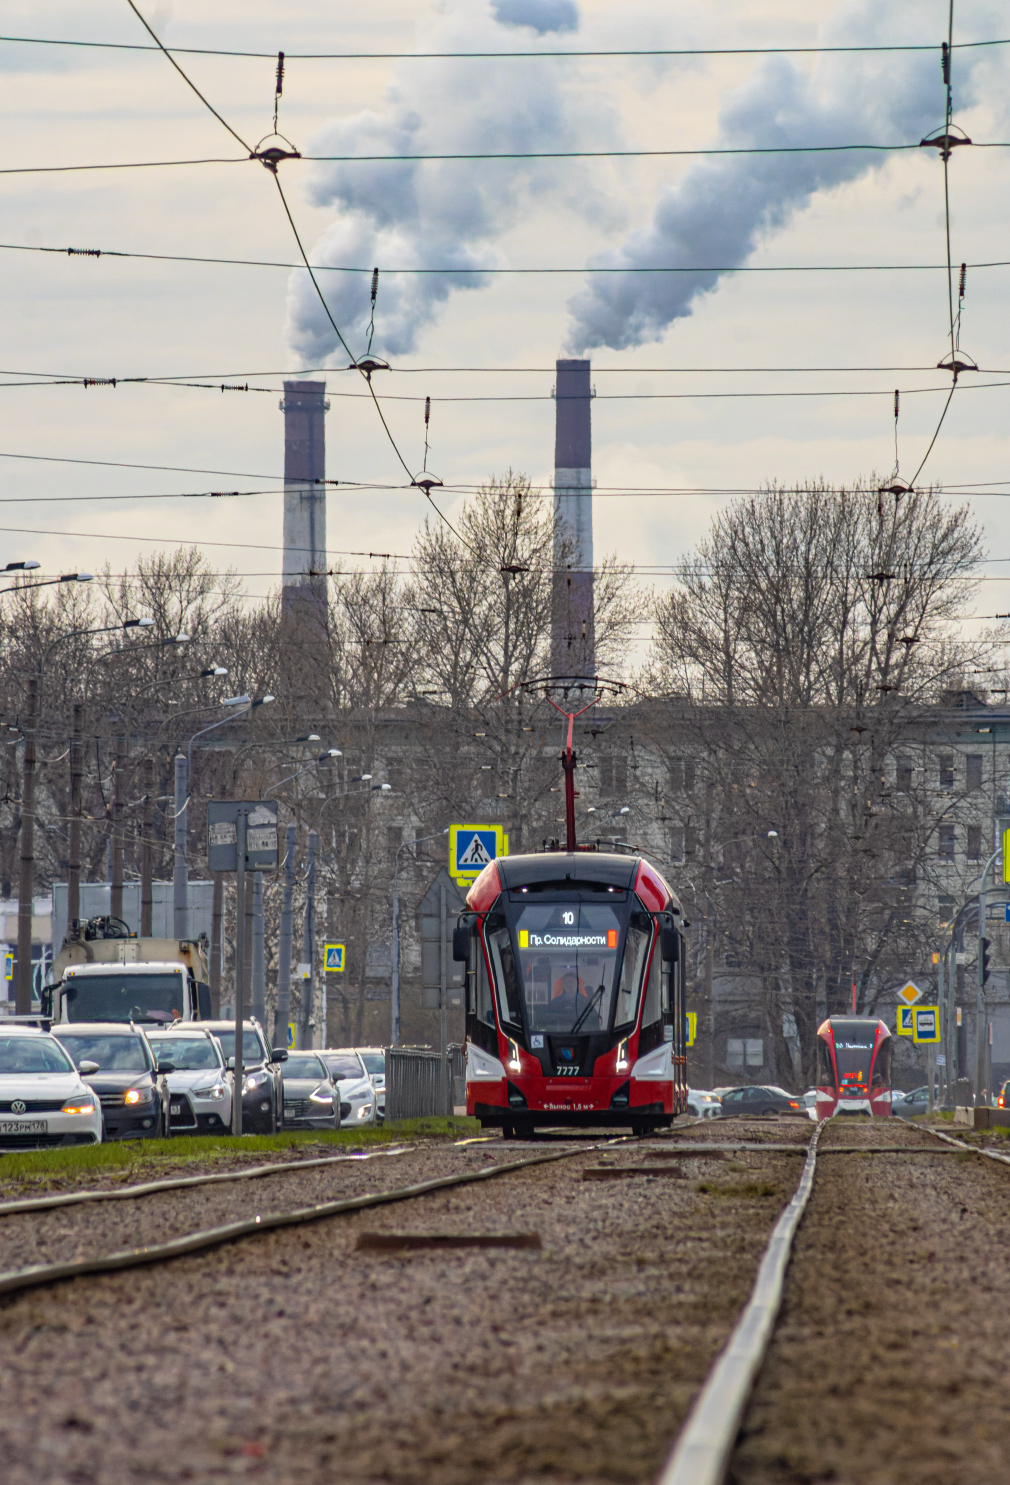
<point x="882" y="1066"/>
<point x="635" y="950"/>
<point x="825" y="1070"/>
<point x="480" y="985"/>
<point x="652" y="1011"/>
<point x="505" y="973"/>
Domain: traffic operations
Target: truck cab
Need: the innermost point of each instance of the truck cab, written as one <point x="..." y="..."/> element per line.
<point x="103" y="975"/>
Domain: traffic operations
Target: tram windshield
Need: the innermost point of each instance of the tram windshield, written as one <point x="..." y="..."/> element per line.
<point x="573" y="967"/>
<point x="854" y="1048"/>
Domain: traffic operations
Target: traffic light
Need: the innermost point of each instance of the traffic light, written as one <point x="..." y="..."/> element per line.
<point x="984" y="947"/>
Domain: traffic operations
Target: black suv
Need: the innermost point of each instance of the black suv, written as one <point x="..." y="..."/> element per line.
<point x="760" y="1100"/>
<point x="262" y="1086"/>
<point x="132" y="1091"/>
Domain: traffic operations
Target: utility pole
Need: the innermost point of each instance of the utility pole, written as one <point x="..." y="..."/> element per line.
<point x="394" y="1030"/>
<point x="309" y="939"/>
<point x="74" y="827"/>
<point x="116" y="895"/>
<point x="258" y="1007"/>
<point x="216" y="937"/>
<point x="180" y="875"/>
<point x="146" y="864"/>
<point x="284" y="946"/>
<point x="240" y="966"/>
<point x="444" y="1000"/>
<point x="980" y="1046"/>
<point x="26" y="882"/>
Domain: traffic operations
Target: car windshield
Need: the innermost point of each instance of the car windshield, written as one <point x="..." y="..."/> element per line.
<point x="346" y="1066"/>
<point x="112" y="1053"/>
<point x="124" y="997"/>
<point x="304" y="1067"/>
<point x="576" y="965"/>
<point x="31" y="1054"/>
<point x="253" y="1050"/>
<point x="375" y="1063"/>
<point x="186" y="1053"/>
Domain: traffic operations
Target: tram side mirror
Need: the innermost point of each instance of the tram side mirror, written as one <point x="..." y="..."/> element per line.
<point x="461" y="942"/>
<point x="669" y="945"/>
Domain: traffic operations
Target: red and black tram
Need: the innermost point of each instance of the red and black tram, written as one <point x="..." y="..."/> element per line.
<point x="853" y="1067"/>
<point x="574" y="992"/>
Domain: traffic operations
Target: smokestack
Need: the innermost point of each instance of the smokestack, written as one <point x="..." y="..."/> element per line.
<point x="303" y="590"/>
<point x="573" y="640"/>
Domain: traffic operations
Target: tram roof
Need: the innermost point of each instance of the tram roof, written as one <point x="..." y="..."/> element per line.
<point x="630" y="872"/>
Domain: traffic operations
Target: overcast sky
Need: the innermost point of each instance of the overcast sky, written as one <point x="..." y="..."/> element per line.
<point x="108" y="317"/>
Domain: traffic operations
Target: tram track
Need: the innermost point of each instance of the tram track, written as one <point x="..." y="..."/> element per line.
<point x="721" y="1437"/>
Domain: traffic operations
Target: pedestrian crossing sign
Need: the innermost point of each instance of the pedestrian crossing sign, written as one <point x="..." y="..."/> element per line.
<point x="8" y="966"/>
<point x="906" y="1020"/>
<point x="692" y="1027"/>
<point x="472" y="847"/>
<point x="334" y="961"/>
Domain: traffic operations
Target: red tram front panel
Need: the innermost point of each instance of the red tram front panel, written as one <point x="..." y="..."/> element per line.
<point x="575" y="993"/>
<point x="853" y="1067"/>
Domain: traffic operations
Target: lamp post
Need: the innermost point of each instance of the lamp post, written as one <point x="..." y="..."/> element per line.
<point x="183" y="768"/>
<point x="26" y="880"/>
<point x="394" y="1030"/>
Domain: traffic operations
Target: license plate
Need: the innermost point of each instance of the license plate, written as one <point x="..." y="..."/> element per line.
<point x="24" y="1126"/>
<point x="568" y="1072"/>
<point x="176" y="1108"/>
<point x="289" y="1110"/>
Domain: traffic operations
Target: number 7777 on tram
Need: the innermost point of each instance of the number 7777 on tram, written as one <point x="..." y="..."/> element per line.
<point x="574" y="993"/>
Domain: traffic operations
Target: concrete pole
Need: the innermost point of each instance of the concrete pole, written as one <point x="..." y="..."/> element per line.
<point x="284" y="945"/>
<point x="309" y="940"/>
<point x="394" y="1030"/>
<point x="981" y="1087"/>
<point x="26" y="880"/>
<point x="258" y="1007"/>
<point x="240" y="971"/>
<point x="147" y="853"/>
<point x="180" y="870"/>
<point x="216" y="943"/>
<point x="443" y="1001"/>
<point x="573" y="642"/>
<point x="74" y="829"/>
<point x="116" y="895"/>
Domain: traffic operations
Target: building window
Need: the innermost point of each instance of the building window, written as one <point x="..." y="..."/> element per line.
<point x="903" y="775"/>
<point x="946" y="770"/>
<point x="974" y="851"/>
<point x="946" y="847"/>
<point x="973" y="771"/>
<point x="744" y="1052"/>
<point x="1002" y="805"/>
<point x="676" y="842"/>
<point x="613" y="772"/>
<point x="946" y="909"/>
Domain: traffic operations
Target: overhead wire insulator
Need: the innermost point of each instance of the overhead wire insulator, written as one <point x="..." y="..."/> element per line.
<point x="945" y="62"/>
<point x="371" y="322"/>
<point x="279" y="87"/>
<point x="962" y="281"/>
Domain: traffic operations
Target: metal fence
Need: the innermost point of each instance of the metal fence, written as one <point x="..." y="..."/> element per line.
<point x="414" y="1088"/>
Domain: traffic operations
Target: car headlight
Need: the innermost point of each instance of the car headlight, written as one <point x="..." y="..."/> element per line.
<point x="364" y="1111"/>
<point x="321" y="1096"/>
<point x="216" y="1090"/>
<point x="138" y="1095"/>
<point x="84" y="1103"/>
<point x="254" y="1080"/>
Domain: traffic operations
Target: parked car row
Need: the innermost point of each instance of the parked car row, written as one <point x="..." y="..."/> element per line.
<point x="85" y="1082"/>
<point x="752" y="1099"/>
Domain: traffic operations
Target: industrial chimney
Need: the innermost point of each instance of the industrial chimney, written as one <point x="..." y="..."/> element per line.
<point x="303" y="590"/>
<point x="573" y="640"/>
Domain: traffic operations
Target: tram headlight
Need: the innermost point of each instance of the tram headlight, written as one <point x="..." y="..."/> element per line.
<point x="512" y="1062"/>
<point x="621" y="1065"/>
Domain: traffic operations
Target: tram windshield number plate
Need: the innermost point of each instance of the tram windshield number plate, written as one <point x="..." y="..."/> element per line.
<point x="567" y="1071"/>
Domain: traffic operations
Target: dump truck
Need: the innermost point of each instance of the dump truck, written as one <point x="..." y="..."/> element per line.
<point x="104" y="972"/>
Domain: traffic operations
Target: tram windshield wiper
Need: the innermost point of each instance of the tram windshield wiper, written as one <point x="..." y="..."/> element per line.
<point x="588" y="1007"/>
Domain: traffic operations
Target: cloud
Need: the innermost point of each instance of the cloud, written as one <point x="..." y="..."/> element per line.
<point x="541" y="15"/>
<point x="432" y="214"/>
<point x="722" y="208"/>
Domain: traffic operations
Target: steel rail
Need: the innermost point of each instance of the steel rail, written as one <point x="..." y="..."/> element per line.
<point x="702" y="1452"/>
<point x="179" y="1183"/>
<point x="974" y="1149"/>
<point x="37" y="1275"/>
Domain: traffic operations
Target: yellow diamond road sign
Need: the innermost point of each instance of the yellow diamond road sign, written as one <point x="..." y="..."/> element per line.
<point x="909" y="994"/>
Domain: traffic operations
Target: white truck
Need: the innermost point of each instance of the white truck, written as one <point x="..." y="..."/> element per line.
<point x="109" y="976"/>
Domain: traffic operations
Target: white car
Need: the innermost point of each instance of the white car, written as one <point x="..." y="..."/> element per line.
<point x="199" y="1085"/>
<point x="374" y="1059"/>
<point x="703" y="1105"/>
<point x="44" y="1101"/>
<point x="357" y="1096"/>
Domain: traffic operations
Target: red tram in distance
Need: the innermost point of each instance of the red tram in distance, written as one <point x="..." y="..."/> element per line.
<point x="853" y="1067"/>
<point x="574" y="993"/>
